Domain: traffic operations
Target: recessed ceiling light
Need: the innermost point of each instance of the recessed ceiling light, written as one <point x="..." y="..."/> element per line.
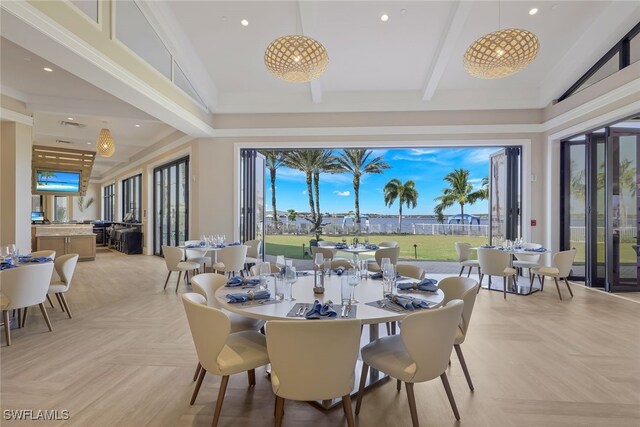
<point x="384" y="18"/>
<point x="533" y="11"/>
<point x="244" y="22"/>
<point x="48" y="69"/>
<point x="88" y="143"/>
<point x="69" y="118"/>
<point x="137" y="126"/>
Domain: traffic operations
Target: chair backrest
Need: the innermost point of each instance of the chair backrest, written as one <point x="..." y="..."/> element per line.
<point x="172" y="257"/>
<point x="462" y="288"/>
<point x="327" y="253"/>
<point x="391" y="253"/>
<point x="209" y="328"/>
<point x="313" y="360"/>
<point x="533" y="257"/>
<point x="463" y="249"/>
<point x="65" y="267"/>
<point x="253" y="250"/>
<point x="44" y="253"/>
<point x="428" y="336"/>
<point x="207" y="284"/>
<point x="26" y="285"/>
<point x="389" y="244"/>
<point x="322" y="243"/>
<point x="410" y="270"/>
<point x="233" y="257"/>
<point x="493" y="261"/>
<point x="563" y="261"/>
<point x="346" y="264"/>
<point x="254" y="270"/>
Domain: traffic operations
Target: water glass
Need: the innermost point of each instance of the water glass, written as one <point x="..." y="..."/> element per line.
<point x="353" y="280"/>
<point x="345" y="290"/>
<point x="280" y="261"/>
<point x="385" y="262"/>
<point x="264" y="269"/>
<point x="327" y="266"/>
<point x="319" y="261"/>
<point x="279" y="289"/>
<point x="290" y="277"/>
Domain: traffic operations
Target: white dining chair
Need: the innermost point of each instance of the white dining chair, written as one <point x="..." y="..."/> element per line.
<point x="562" y="264"/>
<point x="327" y="253"/>
<point x="197" y="255"/>
<point x="255" y="269"/>
<point x="494" y="262"/>
<point x="219" y="351"/>
<point x="464" y="289"/>
<point x="253" y="252"/>
<point x="344" y="263"/>
<point x="24" y="287"/>
<point x="324" y="244"/>
<point x="313" y="361"/>
<point x="463" y="250"/>
<point x="173" y="258"/>
<point x="420" y="353"/>
<point x="393" y="253"/>
<point x="65" y="266"/>
<point x="410" y="270"/>
<point x="388" y="244"/>
<point x="231" y="259"/>
<point x="528" y="260"/>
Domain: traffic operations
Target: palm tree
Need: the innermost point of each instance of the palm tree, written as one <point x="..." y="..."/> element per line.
<point x="274" y="159"/>
<point x="460" y="191"/>
<point x="357" y="163"/>
<point x="405" y="193"/>
<point x="325" y="161"/>
<point x="303" y="160"/>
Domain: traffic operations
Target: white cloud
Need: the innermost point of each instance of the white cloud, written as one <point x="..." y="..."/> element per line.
<point x="346" y="193"/>
<point x="475" y="180"/>
<point x="480" y="155"/>
<point x="421" y="151"/>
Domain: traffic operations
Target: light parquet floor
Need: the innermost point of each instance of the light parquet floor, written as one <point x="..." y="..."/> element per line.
<point x="127" y="359"/>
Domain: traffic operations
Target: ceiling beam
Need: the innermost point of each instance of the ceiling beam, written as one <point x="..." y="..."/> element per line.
<point x="457" y="18"/>
<point x="307" y="26"/>
<point x="85" y="107"/>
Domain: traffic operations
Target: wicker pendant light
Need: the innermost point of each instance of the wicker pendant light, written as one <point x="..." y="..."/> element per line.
<point x="105" y="145"/>
<point x="296" y="58"/>
<point x="501" y="53"/>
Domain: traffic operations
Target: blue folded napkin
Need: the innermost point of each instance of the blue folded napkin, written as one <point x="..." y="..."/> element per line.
<point x="407" y="303"/>
<point x="243" y="297"/>
<point x="234" y="244"/>
<point x="38" y="259"/>
<point x="192" y="245"/>
<point x="427" y="285"/>
<point x="536" y="250"/>
<point x="378" y="275"/>
<point x="238" y="281"/>
<point x="342" y="246"/>
<point x="6" y="266"/>
<point x="302" y="273"/>
<point x="319" y="310"/>
<point x="371" y="247"/>
<point x="339" y="271"/>
<point x="487" y="246"/>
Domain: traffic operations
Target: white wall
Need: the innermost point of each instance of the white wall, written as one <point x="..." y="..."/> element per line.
<point x="93" y="211"/>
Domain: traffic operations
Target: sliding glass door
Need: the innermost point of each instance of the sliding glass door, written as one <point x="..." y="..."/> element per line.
<point x="504" y="194"/>
<point x="170" y="204"/>
<point x="252" y="184"/>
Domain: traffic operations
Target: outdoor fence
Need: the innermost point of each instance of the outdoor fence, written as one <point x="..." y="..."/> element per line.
<point x="388" y="228"/>
<point x="627" y="234"/>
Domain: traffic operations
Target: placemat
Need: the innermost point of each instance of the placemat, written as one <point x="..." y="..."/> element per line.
<point x="385" y="304"/>
<point x="255" y="302"/>
<point x="337" y="308"/>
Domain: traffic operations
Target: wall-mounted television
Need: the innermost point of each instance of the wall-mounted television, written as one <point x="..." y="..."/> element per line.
<point x="57" y="182"/>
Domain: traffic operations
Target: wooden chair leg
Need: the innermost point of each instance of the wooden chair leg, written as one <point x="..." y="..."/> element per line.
<point x="221" y="392"/>
<point x="412" y="404"/>
<point x="568" y="287"/>
<point x="24" y="318"/>
<point x="195" y="376"/>
<point x="7" y="332"/>
<point x="279" y="410"/>
<point x="50" y="302"/>
<point x="167" y="281"/>
<point x="464" y="365"/>
<point x="447" y="388"/>
<point x="66" y="305"/>
<point x="198" y="384"/>
<point x="178" y="282"/>
<point x="363" y="380"/>
<point x="555" y="279"/>
<point x="348" y="411"/>
<point x="251" y="376"/>
<point x="46" y="316"/>
<point x="504" y="290"/>
<point x="60" y="302"/>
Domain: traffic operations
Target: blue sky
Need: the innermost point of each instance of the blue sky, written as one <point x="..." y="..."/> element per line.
<point x="426" y="166"/>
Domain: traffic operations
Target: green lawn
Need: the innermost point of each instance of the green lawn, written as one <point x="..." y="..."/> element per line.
<point x="431" y="248"/>
<point x="627" y="254"/>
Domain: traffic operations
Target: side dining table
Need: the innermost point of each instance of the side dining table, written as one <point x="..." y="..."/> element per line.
<point x="367" y="291"/>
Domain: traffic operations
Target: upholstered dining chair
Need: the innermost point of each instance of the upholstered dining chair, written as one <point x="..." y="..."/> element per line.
<point x="24" y="287"/>
<point x="344" y="263"/>
<point x="313" y="361"/>
<point x="173" y="258"/>
<point x="528" y="260"/>
<point x="327" y="253"/>
<point x="253" y="252"/>
<point x="466" y="290"/>
<point x="219" y="351"/>
<point x="46" y="253"/>
<point x="255" y="269"/>
<point x="231" y="259"/>
<point x="420" y="353"/>
<point x="563" y="262"/>
<point x="65" y="266"/>
<point x="197" y="255"/>
<point x="391" y="253"/>
<point x="324" y="244"/>
<point x="463" y="250"/>
<point x="410" y="270"/>
<point x="494" y="262"/>
<point x="389" y="244"/>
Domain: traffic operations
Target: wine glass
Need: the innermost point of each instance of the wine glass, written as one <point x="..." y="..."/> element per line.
<point x="290" y="277"/>
<point x="388" y="276"/>
<point x="319" y="261"/>
<point x="265" y="271"/>
<point x="12" y="249"/>
<point x="385" y="262"/>
<point x="353" y="280"/>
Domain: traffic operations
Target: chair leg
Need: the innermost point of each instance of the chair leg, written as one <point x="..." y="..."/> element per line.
<point x="251" y="375"/>
<point x="66" y="305"/>
<point x="46" y="316"/>
<point x="461" y="271"/>
<point x="198" y="384"/>
<point x="464" y="365"/>
<point x="178" y="282"/>
<point x="398" y="385"/>
<point x="565" y="281"/>
<point x="60" y="302"/>
<point x="363" y="380"/>
<point x="388" y="328"/>
<point x="24" y="318"/>
<point x="558" y="287"/>
<point x="504" y="290"/>
<point x="221" y="392"/>
<point x="195" y="376"/>
<point x="50" y="302"/>
<point x="167" y="281"/>
<point x="481" y="277"/>
<point x="7" y="332"/>
<point x="279" y="410"/>
<point x="469" y="272"/>
<point x="348" y="411"/>
<point x="447" y="388"/>
<point x="412" y="404"/>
